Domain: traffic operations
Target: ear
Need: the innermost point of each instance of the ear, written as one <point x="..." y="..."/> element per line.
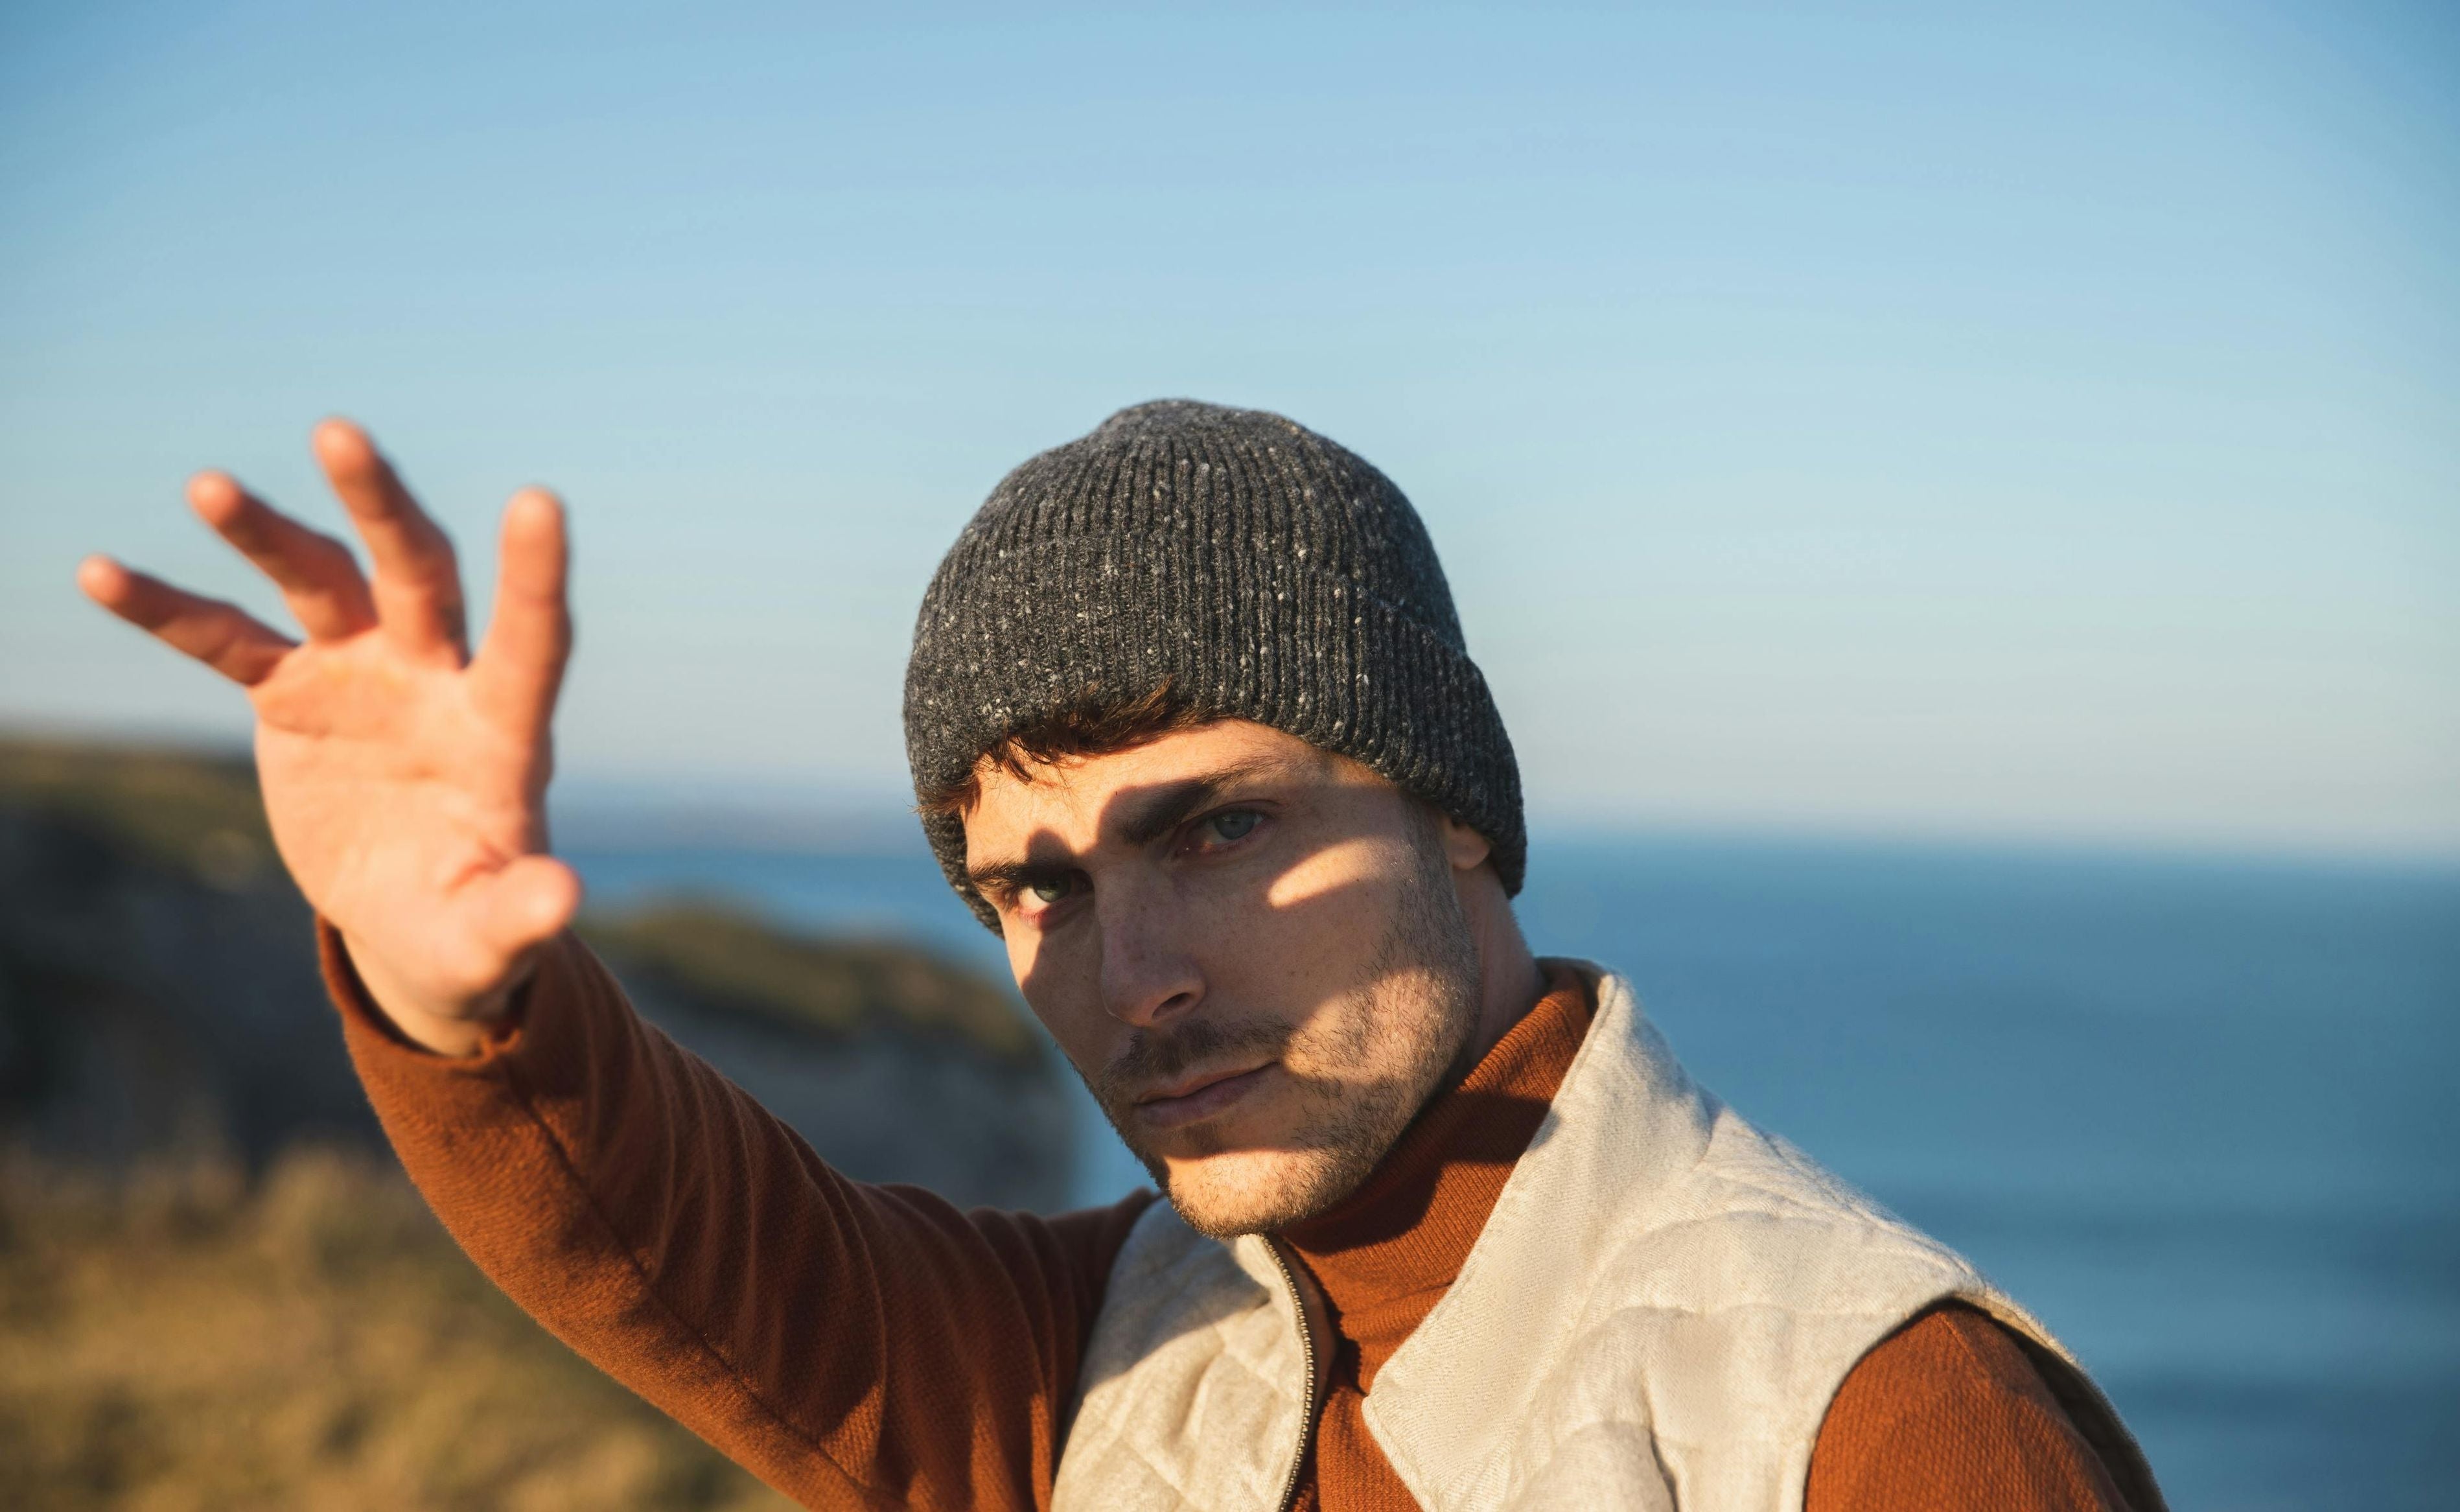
<point x="1463" y="846"/>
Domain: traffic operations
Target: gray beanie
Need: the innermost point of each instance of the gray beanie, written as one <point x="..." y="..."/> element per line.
<point x="1260" y="570"/>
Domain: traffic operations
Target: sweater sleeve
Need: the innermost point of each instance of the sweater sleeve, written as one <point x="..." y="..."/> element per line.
<point x="852" y="1345"/>
<point x="1948" y="1414"/>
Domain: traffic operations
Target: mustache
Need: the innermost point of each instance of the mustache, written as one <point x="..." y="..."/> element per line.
<point x="1150" y="1057"/>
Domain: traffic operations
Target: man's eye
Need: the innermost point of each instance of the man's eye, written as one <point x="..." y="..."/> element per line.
<point x="1050" y="891"/>
<point x="1232" y="824"/>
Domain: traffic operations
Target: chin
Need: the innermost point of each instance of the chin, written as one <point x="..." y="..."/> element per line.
<point x="1256" y="1191"/>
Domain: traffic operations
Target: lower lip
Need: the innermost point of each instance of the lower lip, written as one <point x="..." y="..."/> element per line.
<point x="1171" y="1113"/>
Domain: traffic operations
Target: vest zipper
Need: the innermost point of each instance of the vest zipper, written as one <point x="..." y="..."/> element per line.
<point x="1306" y="1355"/>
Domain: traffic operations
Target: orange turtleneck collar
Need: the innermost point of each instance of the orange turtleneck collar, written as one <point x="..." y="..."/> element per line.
<point x="1387" y="1254"/>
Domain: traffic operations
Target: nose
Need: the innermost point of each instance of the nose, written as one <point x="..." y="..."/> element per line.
<point x="1149" y="972"/>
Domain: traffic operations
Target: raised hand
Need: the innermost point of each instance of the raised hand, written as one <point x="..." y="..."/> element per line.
<point x="405" y="778"/>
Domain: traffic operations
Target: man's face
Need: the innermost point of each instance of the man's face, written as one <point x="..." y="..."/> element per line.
<point x="1252" y="949"/>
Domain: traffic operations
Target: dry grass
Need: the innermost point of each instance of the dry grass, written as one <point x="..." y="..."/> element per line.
<point x="178" y="1341"/>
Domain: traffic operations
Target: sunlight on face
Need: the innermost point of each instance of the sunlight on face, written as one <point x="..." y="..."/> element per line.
<point x="1251" y="950"/>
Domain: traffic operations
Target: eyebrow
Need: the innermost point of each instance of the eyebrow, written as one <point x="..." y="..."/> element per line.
<point x="996" y="879"/>
<point x="1153" y="812"/>
<point x="1157" y="811"/>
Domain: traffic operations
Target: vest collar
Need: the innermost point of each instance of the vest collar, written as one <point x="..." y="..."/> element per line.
<point x="1626" y="1123"/>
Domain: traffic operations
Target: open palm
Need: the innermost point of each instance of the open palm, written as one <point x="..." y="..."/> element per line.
<point x="405" y="778"/>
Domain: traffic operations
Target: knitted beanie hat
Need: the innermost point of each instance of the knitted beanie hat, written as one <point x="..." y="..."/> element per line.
<point x="1259" y="570"/>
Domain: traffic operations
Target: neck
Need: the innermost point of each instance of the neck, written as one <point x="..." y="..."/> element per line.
<point x="1509" y="980"/>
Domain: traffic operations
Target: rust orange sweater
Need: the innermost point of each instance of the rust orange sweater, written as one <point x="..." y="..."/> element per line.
<point x="861" y="1346"/>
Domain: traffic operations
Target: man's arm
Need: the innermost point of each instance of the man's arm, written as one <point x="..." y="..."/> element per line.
<point x="1947" y="1413"/>
<point x="855" y="1345"/>
<point x="852" y="1345"/>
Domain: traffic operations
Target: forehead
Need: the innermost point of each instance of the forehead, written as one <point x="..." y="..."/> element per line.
<point x="1070" y="798"/>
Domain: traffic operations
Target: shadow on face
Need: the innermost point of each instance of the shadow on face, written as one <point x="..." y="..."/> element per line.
<point x="1252" y="950"/>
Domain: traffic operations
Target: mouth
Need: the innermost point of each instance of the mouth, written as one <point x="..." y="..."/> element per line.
<point x="1197" y="1097"/>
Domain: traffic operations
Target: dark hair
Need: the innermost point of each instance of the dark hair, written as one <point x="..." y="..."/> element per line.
<point x="1096" y="723"/>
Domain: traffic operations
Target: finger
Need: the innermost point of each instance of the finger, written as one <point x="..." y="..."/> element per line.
<point x="520" y="664"/>
<point x="522" y="906"/>
<point x="223" y="636"/>
<point x="417" y="585"/>
<point x="318" y="577"/>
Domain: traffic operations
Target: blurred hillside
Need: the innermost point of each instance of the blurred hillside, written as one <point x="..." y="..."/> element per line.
<point x="217" y="1291"/>
<point x="183" y="1340"/>
<point x="159" y="994"/>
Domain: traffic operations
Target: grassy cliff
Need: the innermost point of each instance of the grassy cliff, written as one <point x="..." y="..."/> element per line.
<point x="182" y="1339"/>
<point x="842" y="990"/>
<point x="198" y="815"/>
<point x="216" y="1289"/>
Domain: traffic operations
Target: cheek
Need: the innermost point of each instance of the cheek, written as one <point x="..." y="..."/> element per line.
<point x="1341" y="882"/>
<point x="1063" y="987"/>
<point x="1316" y="932"/>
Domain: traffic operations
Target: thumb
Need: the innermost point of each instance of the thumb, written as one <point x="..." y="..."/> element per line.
<point x="527" y="902"/>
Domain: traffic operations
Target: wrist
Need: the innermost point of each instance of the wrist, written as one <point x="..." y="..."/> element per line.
<point x="456" y="1028"/>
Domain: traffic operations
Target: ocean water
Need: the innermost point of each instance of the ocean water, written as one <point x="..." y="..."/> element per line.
<point x="2199" y="1115"/>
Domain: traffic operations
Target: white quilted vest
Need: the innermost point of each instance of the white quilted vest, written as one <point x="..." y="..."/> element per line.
<point x="1655" y="1317"/>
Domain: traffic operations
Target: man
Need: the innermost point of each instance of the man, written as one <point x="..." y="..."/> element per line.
<point x="1193" y="727"/>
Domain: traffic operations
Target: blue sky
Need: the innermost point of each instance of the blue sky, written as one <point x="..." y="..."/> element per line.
<point x="1918" y="420"/>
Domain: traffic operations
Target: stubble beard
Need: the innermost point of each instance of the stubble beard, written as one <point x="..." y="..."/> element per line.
<point x="1409" y="1022"/>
